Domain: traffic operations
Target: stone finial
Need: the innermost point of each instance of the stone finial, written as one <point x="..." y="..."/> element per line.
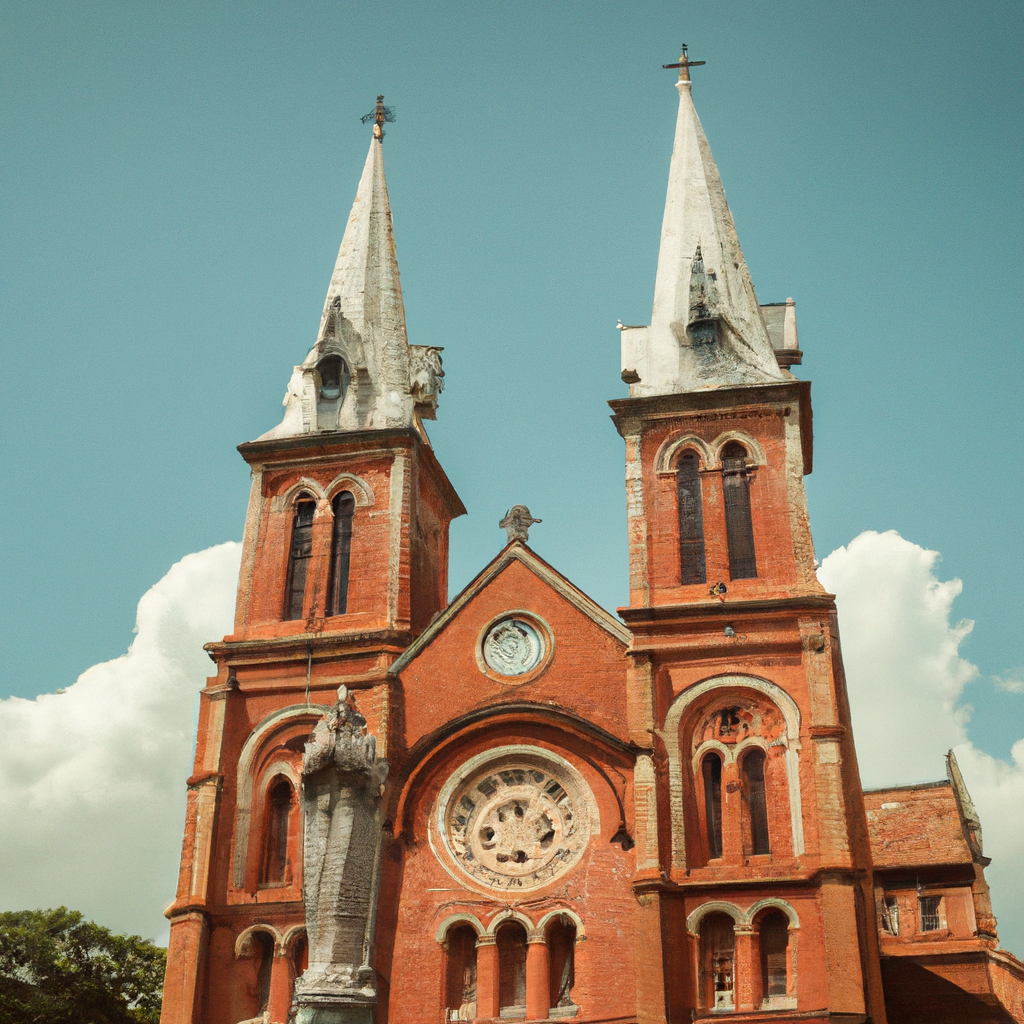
<point x="517" y="523"/>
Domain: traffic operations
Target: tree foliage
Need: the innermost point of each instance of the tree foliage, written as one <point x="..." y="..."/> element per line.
<point x="58" y="968"/>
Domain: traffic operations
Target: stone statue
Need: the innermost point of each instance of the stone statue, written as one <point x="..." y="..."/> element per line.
<point x="342" y="785"/>
<point x="517" y="523"/>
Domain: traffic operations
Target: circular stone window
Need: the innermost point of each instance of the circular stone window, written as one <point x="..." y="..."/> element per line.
<point x="513" y="646"/>
<point x="516" y="820"/>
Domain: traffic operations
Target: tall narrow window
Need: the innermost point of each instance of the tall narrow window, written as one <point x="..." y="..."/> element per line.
<point x="461" y="980"/>
<point x="264" y="948"/>
<point x="280" y="801"/>
<point x="512" y="970"/>
<point x="717" y="961"/>
<point x="298" y="556"/>
<point x="891" y="915"/>
<point x="691" y="520"/>
<point x="561" y="939"/>
<point x="711" y="769"/>
<point x="344" y="506"/>
<point x="774" y="941"/>
<point x="739" y="529"/>
<point x="754" y="801"/>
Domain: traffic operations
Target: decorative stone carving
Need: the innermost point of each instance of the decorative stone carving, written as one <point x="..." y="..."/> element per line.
<point x="517" y="823"/>
<point x="342" y="784"/>
<point x="426" y="378"/>
<point x="512" y="647"/>
<point x="517" y="523"/>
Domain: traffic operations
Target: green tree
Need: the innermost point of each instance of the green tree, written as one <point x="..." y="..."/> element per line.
<point x="58" y="968"/>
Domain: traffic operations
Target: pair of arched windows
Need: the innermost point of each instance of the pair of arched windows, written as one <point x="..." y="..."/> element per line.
<point x="301" y="552"/>
<point x="739" y="530"/>
<point x="464" y="1001"/>
<point x="771" y="980"/>
<point x="753" y="808"/>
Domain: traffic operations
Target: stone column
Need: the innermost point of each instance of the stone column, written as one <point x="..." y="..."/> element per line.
<point x="342" y="783"/>
<point x="538" y="979"/>
<point x="280" y="988"/>
<point x="486" y="977"/>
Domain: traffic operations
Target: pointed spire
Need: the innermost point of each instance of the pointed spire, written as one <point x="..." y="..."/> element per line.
<point x="706" y="326"/>
<point x="362" y="373"/>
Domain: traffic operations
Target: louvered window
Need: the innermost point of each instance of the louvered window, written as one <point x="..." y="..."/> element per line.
<point x="754" y="799"/>
<point x="774" y="941"/>
<point x="711" y="769"/>
<point x="691" y="520"/>
<point x="344" y="506"/>
<point x="739" y="529"/>
<point x="298" y="557"/>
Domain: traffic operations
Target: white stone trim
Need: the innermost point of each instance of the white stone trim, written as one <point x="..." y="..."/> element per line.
<point x="290" y="936"/>
<point x="455" y="919"/>
<point x="663" y="461"/>
<point x="243" y="944"/>
<point x="361" y="490"/>
<point x="510" y="915"/>
<point x="670" y="736"/>
<point x="581" y="932"/>
<point x="713" y="907"/>
<point x="243" y="779"/>
<point x="755" y="453"/>
<point x="774" y="903"/>
<point x="282" y="501"/>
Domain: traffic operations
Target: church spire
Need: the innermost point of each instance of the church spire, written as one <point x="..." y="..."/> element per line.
<point x="706" y="328"/>
<point x="362" y="373"/>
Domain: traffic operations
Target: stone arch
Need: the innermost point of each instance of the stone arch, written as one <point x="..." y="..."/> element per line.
<point x="456" y="919"/>
<point x="243" y="944"/>
<point x="284" y="500"/>
<point x="755" y="453"/>
<point x="663" y="461"/>
<point x="361" y="490"/>
<point x="510" y="915"/>
<point x="716" y="745"/>
<point x="670" y="736"/>
<point x="771" y="903"/>
<point x="551" y="915"/>
<point x="290" y="937"/>
<point x="243" y="778"/>
<point x="713" y="907"/>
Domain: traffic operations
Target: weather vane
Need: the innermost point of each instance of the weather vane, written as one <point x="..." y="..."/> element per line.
<point x="379" y="115"/>
<point x="684" y="65"/>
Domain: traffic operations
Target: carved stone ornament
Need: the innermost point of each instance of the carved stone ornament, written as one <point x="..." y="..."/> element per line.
<point x="517" y="823"/>
<point x="513" y="647"/>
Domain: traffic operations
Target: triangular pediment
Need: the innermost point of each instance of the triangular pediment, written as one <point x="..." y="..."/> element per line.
<point x="515" y="552"/>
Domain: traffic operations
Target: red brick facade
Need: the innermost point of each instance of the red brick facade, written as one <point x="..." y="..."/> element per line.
<point x="647" y="818"/>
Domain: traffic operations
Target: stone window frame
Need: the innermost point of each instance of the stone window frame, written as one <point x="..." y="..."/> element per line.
<point x="671" y="738"/>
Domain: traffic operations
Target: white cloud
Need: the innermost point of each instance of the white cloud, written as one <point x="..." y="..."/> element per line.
<point x="905" y="678"/>
<point x="92" y="780"/>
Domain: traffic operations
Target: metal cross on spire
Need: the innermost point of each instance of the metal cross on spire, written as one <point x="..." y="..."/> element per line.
<point x="380" y="115"/>
<point x="684" y="65"/>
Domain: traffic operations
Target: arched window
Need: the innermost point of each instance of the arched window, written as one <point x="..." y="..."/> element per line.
<point x="773" y="937"/>
<point x="711" y="771"/>
<point x="460" y="987"/>
<point x="511" y="940"/>
<point x="344" y="506"/>
<point x="755" y="807"/>
<point x="298" y="556"/>
<point x="692" y="566"/>
<point x="263" y="946"/>
<point x="276" y="830"/>
<point x="739" y="529"/>
<point x="717" y="961"/>
<point x="334" y="378"/>
<point x="561" y="940"/>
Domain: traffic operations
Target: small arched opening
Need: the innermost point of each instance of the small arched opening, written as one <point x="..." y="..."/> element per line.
<point x="717" y="962"/>
<point x="755" y="807"/>
<point x="774" y="953"/>
<point x="511" y="942"/>
<point x="275" y="868"/>
<point x="344" y="507"/>
<point x="460" y="973"/>
<point x="299" y="554"/>
<point x="739" y="528"/>
<point x="560" y="936"/>
<point x="711" y="779"/>
<point x="692" y="562"/>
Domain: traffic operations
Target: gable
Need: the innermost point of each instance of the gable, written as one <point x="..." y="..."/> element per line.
<point x="520" y="633"/>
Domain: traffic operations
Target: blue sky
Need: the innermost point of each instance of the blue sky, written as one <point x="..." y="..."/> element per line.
<point x="176" y="180"/>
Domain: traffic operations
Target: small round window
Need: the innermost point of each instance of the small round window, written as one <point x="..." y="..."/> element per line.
<point x="513" y="647"/>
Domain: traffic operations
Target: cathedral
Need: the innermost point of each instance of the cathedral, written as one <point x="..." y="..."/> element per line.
<point x="516" y="804"/>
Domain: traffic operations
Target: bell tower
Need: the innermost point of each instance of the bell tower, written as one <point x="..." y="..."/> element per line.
<point x="345" y="561"/>
<point x="754" y="870"/>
